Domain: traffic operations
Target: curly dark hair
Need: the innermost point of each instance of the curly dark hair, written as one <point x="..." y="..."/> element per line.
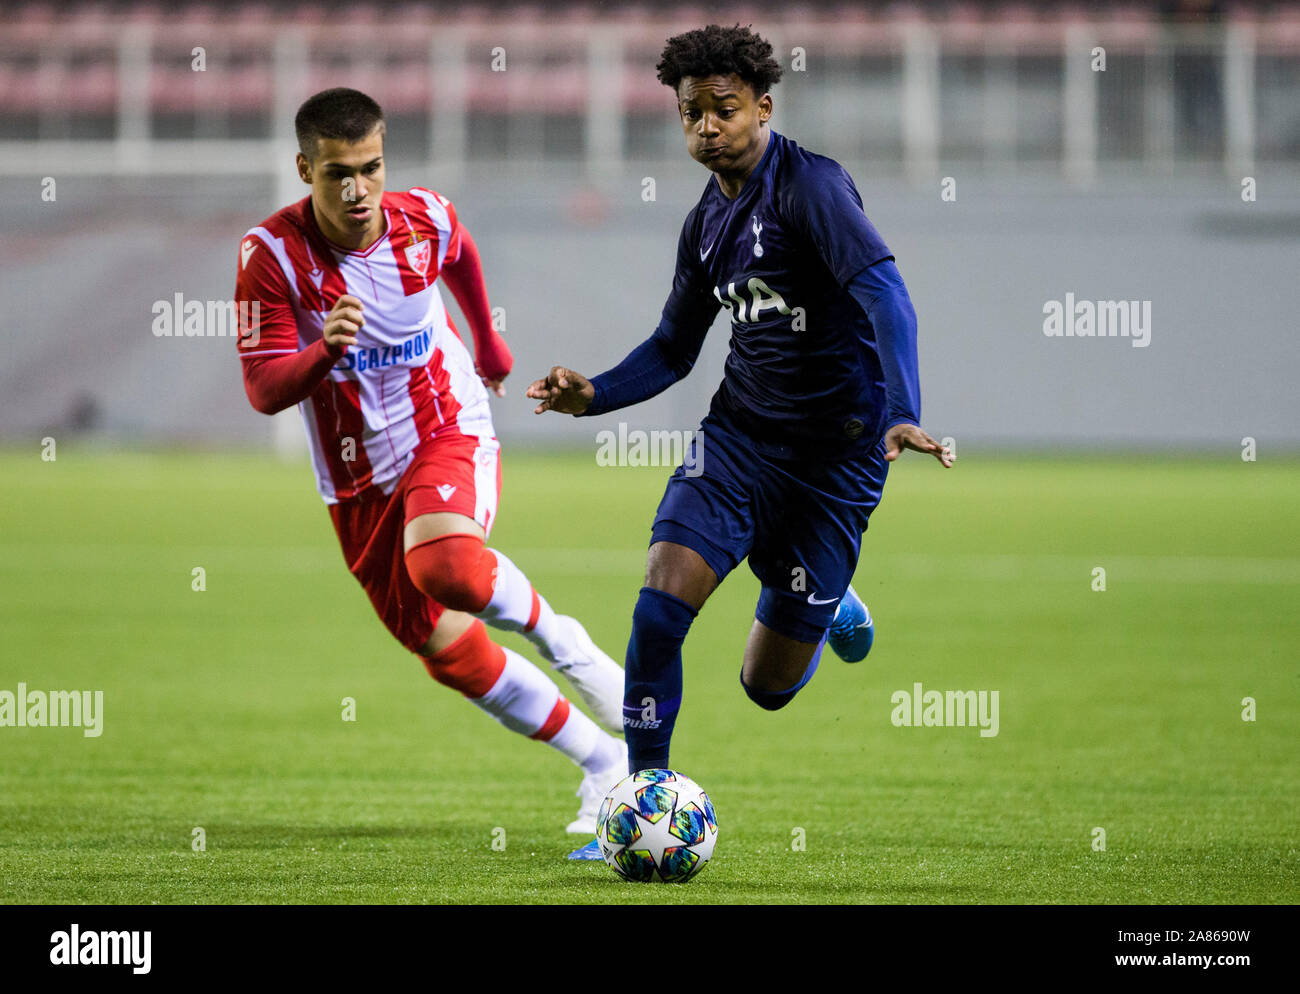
<point x="719" y="51"/>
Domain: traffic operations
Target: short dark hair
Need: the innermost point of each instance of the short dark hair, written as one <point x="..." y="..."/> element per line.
<point x="339" y="113"/>
<point x="719" y="51"/>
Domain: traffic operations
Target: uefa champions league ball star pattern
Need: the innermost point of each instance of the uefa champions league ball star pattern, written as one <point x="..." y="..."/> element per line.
<point x="656" y="825"/>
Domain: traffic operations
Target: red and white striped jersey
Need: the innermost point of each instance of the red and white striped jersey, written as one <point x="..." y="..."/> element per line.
<point x="409" y="374"/>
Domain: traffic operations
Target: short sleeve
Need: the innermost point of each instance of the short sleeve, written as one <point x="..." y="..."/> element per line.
<point x="267" y="325"/>
<point x="823" y="203"/>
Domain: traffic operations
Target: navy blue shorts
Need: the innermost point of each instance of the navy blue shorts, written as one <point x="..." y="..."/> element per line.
<point x="799" y="522"/>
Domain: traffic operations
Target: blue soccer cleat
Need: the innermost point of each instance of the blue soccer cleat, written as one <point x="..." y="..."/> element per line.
<point x="852" y="631"/>
<point x="591" y="851"/>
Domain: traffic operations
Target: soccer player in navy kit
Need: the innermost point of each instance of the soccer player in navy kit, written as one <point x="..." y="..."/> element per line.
<point x="820" y="393"/>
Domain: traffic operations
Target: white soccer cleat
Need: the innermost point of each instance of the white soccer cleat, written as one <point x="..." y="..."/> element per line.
<point x="596" y="677"/>
<point x="592" y="791"/>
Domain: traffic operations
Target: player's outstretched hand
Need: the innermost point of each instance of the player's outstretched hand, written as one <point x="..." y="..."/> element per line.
<point x="562" y="391"/>
<point x="906" y="436"/>
<point x="342" y="323"/>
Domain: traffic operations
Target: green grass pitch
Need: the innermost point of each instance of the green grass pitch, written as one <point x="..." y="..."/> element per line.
<point x="1120" y="709"/>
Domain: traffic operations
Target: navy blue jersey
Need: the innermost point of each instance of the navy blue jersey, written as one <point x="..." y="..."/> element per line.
<point x="804" y="374"/>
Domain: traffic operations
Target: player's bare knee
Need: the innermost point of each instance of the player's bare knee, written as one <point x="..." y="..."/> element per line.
<point x="449" y="628"/>
<point x="464" y="658"/>
<point x="679" y="571"/>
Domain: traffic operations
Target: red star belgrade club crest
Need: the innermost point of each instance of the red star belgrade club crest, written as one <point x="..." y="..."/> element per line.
<point x="417" y="255"/>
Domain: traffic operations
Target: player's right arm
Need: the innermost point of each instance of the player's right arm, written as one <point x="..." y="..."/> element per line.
<point x="654" y="365"/>
<point x="277" y="374"/>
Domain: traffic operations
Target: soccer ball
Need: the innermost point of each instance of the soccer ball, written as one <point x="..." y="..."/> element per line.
<point x="656" y="825"/>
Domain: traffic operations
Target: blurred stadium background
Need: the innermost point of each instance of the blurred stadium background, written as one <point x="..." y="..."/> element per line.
<point x="167" y="130"/>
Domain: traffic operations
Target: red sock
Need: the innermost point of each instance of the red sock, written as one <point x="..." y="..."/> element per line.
<point x="472" y="664"/>
<point x="519" y="695"/>
<point x="455" y="570"/>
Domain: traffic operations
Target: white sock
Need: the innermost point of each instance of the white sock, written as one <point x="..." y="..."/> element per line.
<point x="583" y="741"/>
<point x="526" y="700"/>
<point x="511" y="607"/>
<point x="606" y="752"/>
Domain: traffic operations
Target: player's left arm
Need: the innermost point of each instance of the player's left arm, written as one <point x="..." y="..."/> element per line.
<point x="882" y="295"/>
<point x="464" y="278"/>
<point x="825" y="204"/>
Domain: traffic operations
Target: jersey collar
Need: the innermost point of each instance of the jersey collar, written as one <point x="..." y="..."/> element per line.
<point x="336" y="247"/>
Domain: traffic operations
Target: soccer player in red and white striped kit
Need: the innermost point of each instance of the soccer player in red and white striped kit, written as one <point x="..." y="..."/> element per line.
<point x="349" y="325"/>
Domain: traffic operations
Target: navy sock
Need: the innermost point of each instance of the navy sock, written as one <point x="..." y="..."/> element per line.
<point x="652" y="692"/>
<point x="775" y="700"/>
